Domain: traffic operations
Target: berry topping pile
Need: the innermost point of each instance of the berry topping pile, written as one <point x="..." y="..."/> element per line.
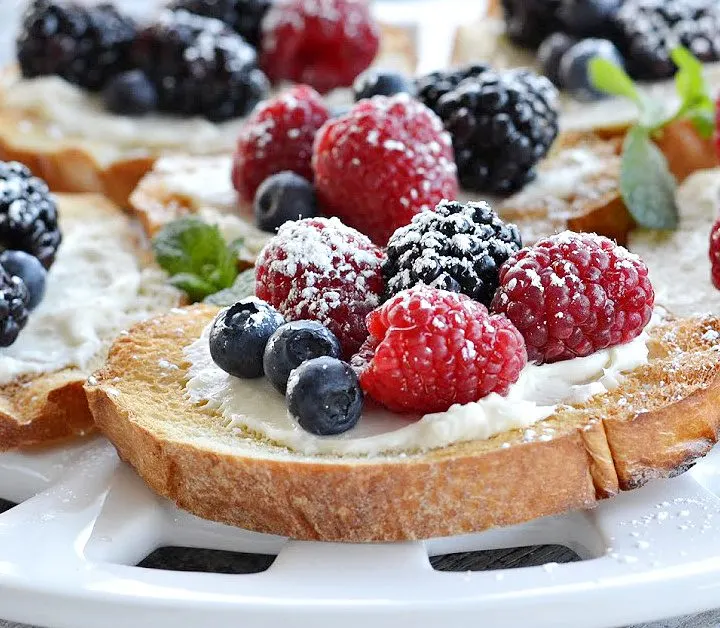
<point x="429" y="349"/>
<point x="29" y="239"/>
<point x="28" y="215"/>
<point x="243" y="16"/>
<point x="382" y="163"/>
<point x="502" y="124"/>
<point x="84" y="45"/>
<point x="324" y="43"/>
<point x="528" y="22"/>
<point x="278" y="136"/>
<point x="457" y="247"/>
<point x="200" y="65"/>
<point x="573" y="294"/>
<point x="321" y="270"/>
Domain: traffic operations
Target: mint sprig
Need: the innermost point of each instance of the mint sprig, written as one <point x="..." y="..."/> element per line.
<point x="646" y="184"/>
<point x="196" y="257"/>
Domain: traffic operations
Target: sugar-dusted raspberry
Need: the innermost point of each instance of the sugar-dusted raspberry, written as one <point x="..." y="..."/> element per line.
<point x="573" y="294"/>
<point x="278" y="136"/>
<point x="324" y="43"/>
<point x="429" y="349"/>
<point x="322" y="270"/>
<point x="383" y="162"/>
<point x="715" y="253"/>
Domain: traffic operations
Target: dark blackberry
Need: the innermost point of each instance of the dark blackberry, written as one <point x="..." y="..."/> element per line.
<point x="431" y="87"/>
<point x="502" y="124"/>
<point x="528" y="22"/>
<point x="648" y="30"/>
<point x="28" y="216"/>
<point x="243" y="16"/>
<point x="200" y="66"/>
<point x="84" y="45"/>
<point x="458" y="247"/>
<point x="13" y="307"/>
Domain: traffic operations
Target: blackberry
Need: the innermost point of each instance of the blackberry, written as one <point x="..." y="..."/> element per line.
<point x="458" y="247"/>
<point x="243" y="16"/>
<point x="648" y="30"/>
<point x="528" y="22"/>
<point x="431" y="87"/>
<point x="28" y="216"/>
<point x="502" y="124"/>
<point x="84" y="45"/>
<point x="13" y="307"/>
<point x="199" y="66"/>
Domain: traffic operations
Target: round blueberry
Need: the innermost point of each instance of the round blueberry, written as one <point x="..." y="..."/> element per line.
<point x="295" y="343"/>
<point x="575" y="64"/>
<point x="30" y="270"/>
<point x="239" y="334"/>
<point x="324" y="396"/>
<point x="281" y="197"/>
<point x="550" y="52"/>
<point x="381" y="83"/>
<point x="587" y="18"/>
<point x="130" y="94"/>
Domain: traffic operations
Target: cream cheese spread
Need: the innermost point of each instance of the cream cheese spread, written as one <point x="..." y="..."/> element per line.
<point x="95" y="289"/>
<point x="255" y="407"/>
<point x="72" y="112"/>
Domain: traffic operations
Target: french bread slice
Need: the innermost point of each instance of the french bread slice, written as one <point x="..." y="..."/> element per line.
<point x="664" y="416"/>
<point x="39" y="407"/>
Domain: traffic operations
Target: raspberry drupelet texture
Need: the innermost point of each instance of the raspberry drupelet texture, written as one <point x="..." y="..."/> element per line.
<point x="429" y="349"/>
<point x="573" y="294"/>
<point x="458" y="247"/>
<point x="324" y="43"/>
<point x="383" y="162"/>
<point x="278" y="136"/>
<point x="321" y="270"/>
<point x="715" y="253"/>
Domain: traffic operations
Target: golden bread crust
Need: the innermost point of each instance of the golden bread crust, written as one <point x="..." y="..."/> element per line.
<point x="186" y="454"/>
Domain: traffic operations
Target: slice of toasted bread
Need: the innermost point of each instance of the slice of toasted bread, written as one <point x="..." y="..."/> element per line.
<point x="38" y="406"/>
<point x="664" y="415"/>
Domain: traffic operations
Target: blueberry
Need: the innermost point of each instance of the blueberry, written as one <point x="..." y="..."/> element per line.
<point x="381" y="83"/>
<point x="295" y="343"/>
<point x="239" y="335"/>
<point x="587" y="18"/>
<point x="324" y="395"/>
<point x="30" y="270"/>
<point x="550" y="52"/>
<point x="131" y="94"/>
<point x="574" y="67"/>
<point x="281" y="197"/>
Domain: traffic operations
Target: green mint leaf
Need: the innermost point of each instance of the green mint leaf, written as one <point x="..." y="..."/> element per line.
<point x="696" y="103"/>
<point x="243" y="287"/>
<point x="612" y="79"/>
<point x="703" y="121"/>
<point x="646" y="184"/>
<point x="195" y="287"/>
<point x="237" y="246"/>
<point x="195" y="252"/>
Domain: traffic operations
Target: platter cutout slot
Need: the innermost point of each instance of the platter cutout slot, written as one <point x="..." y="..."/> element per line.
<point x="174" y="558"/>
<point x="510" y="558"/>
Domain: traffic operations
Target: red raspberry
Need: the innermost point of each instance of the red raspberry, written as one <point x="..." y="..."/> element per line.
<point x="277" y="136"/>
<point x="573" y="294"/>
<point x="715" y="253"/>
<point x="383" y="162"/>
<point x="324" y="43"/>
<point x="429" y="349"/>
<point x="319" y="269"/>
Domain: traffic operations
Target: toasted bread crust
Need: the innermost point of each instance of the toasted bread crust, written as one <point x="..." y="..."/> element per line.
<point x="49" y="407"/>
<point x="458" y="489"/>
